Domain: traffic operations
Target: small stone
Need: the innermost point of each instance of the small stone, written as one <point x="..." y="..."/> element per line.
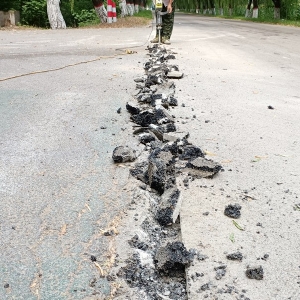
<point x="233" y="211"/>
<point x="123" y="154"/>
<point x="6" y="285"/>
<point x="205" y="287"/>
<point x="119" y="110"/>
<point x="255" y="273"/>
<point x="175" y="74"/>
<point x="270" y="107"/>
<point x="93" y="258"/>
<point x="235" y="256"/>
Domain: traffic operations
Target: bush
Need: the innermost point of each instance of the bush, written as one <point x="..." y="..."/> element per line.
<point x="85" y="17"/>
<point x="34" y="13"/>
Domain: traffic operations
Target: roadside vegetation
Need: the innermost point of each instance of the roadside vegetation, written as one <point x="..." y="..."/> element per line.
<point x="81" y="13"/>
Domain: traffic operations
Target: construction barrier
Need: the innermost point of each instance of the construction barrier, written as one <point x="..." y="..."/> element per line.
<point x="114" y="12"/>
<point x="109" y="11"/>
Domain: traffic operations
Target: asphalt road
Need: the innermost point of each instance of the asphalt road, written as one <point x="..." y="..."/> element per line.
<point x="234" y="71"/>
<point x="59" y="188"/>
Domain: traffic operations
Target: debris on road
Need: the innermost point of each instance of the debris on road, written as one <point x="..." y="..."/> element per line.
<point x="255" y="273"/>
<point x="237" y="225"/>
<point x="157" y="267"/>
<point x="235" y="256"/>
<point x="174" y="256"/>
<point x="233" y="211"/>
<point x="123" y="154"/>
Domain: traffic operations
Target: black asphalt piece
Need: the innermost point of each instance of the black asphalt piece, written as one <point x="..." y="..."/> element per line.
<point x="169" y="207"/>
<point x="132" y="108"/>
<point x="140" y="171"/>
<point x="235" y="256"/>
<point x="93" y="258"/>
<point x="122" y="154"/>
<point x="233" y="211"/>
<point x="144" y="98"/>
<point x="157" y="175"/>
<point x="270" y="107"/>
<point x="146" y="138"/>
<point x="173" y="101"/>
<point x="168" y="128"/>
<point x="144" y="118"/>
<point x="220" y="271"/>
<point x="190" y="152"/>
<point x="173" y="257"/>
<point x="255" y="273"/>
<point x="203" y="167"/>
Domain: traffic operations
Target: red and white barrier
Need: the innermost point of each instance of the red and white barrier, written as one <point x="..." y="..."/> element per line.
<point x="114" y="12"/>
<point x="109" y="11"/>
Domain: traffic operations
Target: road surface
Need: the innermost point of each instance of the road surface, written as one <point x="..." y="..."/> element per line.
<point x="60" y="190"/>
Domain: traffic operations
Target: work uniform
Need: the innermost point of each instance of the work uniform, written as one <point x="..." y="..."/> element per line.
<point x="167" y="20"/>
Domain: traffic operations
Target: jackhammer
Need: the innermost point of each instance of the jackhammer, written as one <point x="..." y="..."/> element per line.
<point x="159" y="14"/>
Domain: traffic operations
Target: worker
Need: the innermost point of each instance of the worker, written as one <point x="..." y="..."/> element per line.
<point x="167" y="22"/>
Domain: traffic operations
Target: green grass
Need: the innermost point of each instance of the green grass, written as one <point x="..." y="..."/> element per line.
<point x="264" y="20"/>
<point x="144" y="14"/>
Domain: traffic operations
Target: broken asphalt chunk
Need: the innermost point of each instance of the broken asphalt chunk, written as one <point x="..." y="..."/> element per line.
<point x="233" y="211"/>
<point x="146" y="138"/>
<point x="169" y="207"/>
<point x="174" y="256"/>
<point x="255" y="273"/>
<point x="190" y="152"/>
<point x="123" y="154"/>
<point x="157" y="175"/>
<point x="202" y="167"/>
<point x="132" y="108"/>
<point x="235" y="256"/>
<point x="144" y="118"/>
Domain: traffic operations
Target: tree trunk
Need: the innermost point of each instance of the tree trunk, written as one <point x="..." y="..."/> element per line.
<point x="248" y="10"/>
<point x="55" y="17"/>
<point x="130" y="7"/>
<point x="277" y="5"/>
<point x="100" y="10"/>
<point x="255" y="9"/>
<point x="276" y="13"/>
<point x="122" y="5"/>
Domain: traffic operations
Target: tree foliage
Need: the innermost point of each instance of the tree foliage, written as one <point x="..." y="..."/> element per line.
<point x="289" y="9"/>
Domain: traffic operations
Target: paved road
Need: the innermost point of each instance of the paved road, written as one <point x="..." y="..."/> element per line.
<point x="59" y="187"/>
<point x="234" y="71"/>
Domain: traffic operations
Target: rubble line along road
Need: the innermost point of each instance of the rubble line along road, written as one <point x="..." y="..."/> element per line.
<point x="228" y="85"/>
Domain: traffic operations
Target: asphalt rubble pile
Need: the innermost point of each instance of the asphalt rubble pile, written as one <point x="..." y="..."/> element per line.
<point x="157" y="267"/>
